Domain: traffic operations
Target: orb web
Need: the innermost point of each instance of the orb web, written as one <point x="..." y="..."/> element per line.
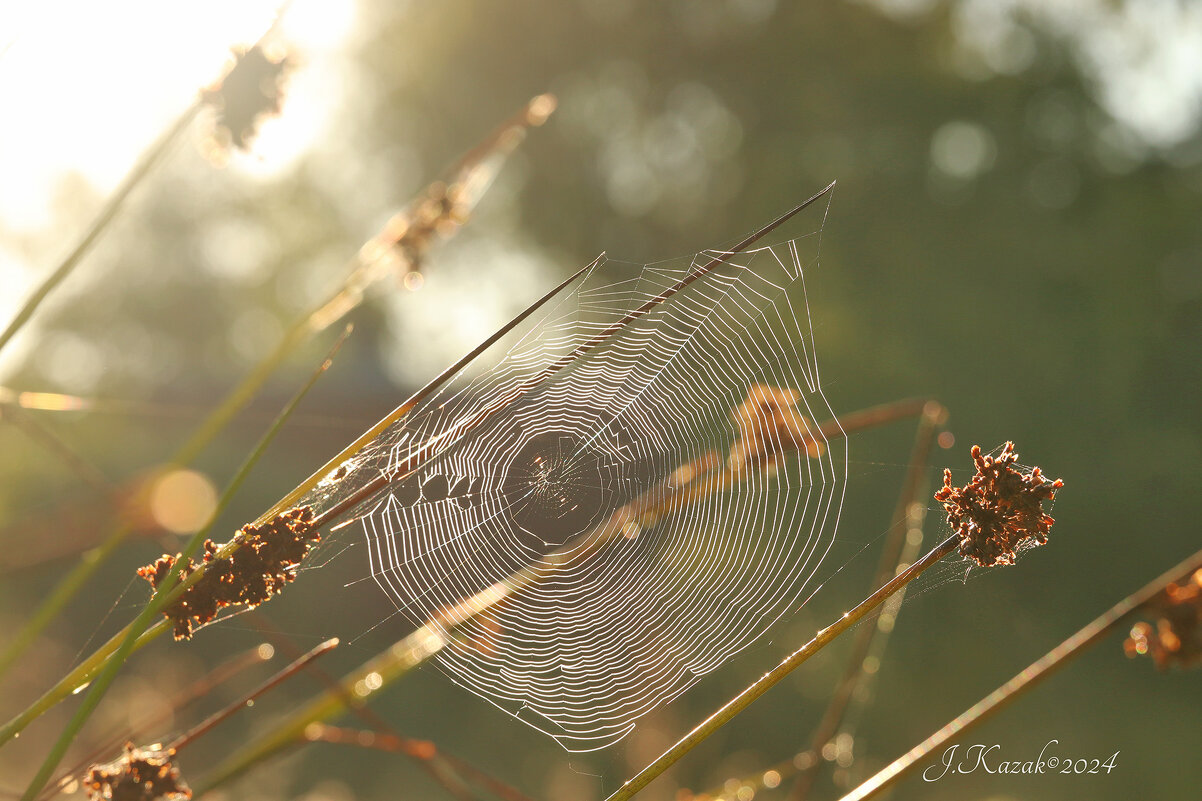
<point x="628" y="526"/>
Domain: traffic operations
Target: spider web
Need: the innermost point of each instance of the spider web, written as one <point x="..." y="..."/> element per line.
<point x="620" y="530"/>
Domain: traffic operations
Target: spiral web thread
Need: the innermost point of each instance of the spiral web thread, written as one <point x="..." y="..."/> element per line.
<point x="633" y="533"/>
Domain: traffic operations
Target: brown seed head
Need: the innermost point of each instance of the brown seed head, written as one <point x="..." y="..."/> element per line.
<point x="141" y="774"/>
<point x="999" y="512"/>
<point x="437" y="213"/>
<point x="265" y="561"/>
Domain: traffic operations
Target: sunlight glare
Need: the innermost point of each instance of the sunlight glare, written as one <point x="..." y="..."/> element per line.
<point x="95" y="83"/>
<point x="89" y="86"/>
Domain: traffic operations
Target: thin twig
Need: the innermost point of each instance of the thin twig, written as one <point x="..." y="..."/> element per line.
<point x="1118" y="615"/>
<point x="434" y="766"/>
<point x="417" y="749"/>
<point x="283" y="675"/>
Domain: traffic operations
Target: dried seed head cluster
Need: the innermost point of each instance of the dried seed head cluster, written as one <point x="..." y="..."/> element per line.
<point x="265" y="561"/>
<point x="769" y="426"/>
<point x="251" y="90"/>
<point x="1176" y="636"/>
<point x="437" y="213"/>
<point x="141" y="774"/>
<point x="1000" y="511"/>
<point x="446" y="205"/>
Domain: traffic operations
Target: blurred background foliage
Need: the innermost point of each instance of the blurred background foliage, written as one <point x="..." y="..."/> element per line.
<point x="1015" y="232"/>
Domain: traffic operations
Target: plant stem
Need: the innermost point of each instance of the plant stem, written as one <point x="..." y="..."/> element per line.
<point x="1026" y="680"/>
<point x="63" y="592"/>
<point x="95" y="692"/>
<point x="769" y="679"/>
<point x="75" y="680"/>
<point x="128" y="639"/>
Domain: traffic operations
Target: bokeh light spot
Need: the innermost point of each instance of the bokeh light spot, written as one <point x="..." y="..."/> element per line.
<point x="962" y="149"/>
<point x="182" y="501"/>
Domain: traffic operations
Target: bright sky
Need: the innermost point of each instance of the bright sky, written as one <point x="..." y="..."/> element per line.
<point x="86" y="87"/>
